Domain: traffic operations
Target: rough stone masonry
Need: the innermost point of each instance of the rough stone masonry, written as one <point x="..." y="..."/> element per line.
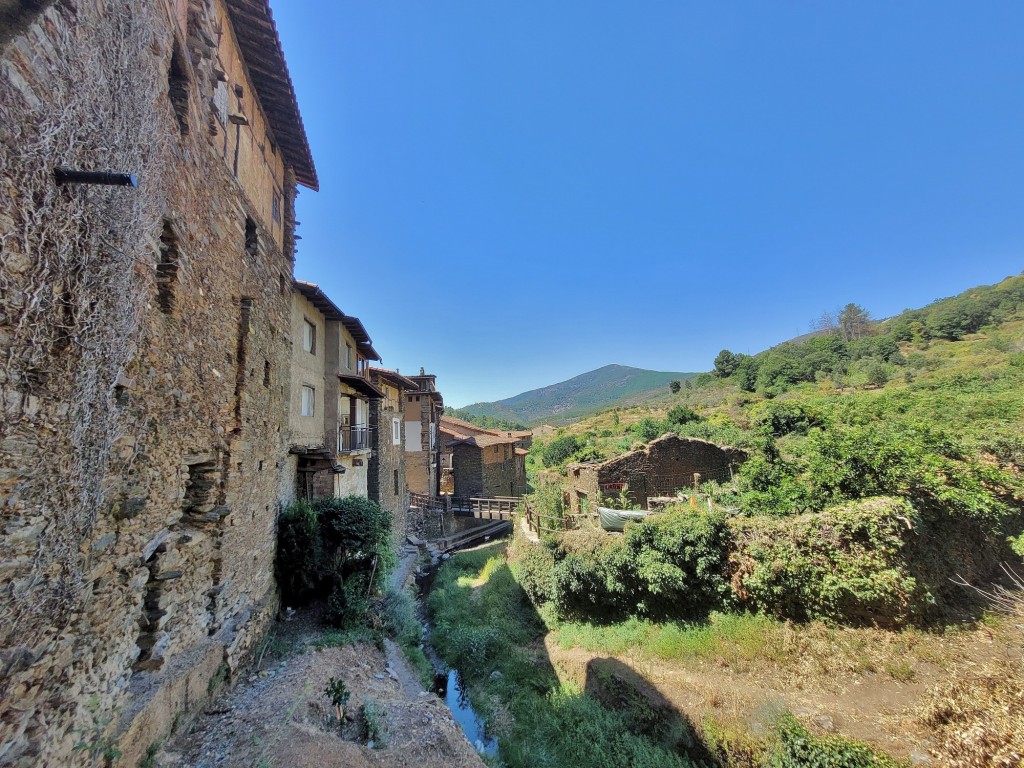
<point x="143" y="364"/>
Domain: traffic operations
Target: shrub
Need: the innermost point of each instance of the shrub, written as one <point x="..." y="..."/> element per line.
<point x="330" y="549"/>
<point x="669" y="566"/>
<point x="533" y="565"/>
<point x="681" y="414"/>
<point x="646" y="429"/>
<point x="847" y="564"/>
<point x="560" y="450"/>
<point x="795" y="747"/>
<point x="299" y="564"/>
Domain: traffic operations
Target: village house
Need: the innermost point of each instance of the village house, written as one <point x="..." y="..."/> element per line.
<point x="422" y="410"/>
<point x="387" y="473"/>
<point x="659" y="469"/>
<point x="331" y="435"/>
<point x="144" y="334"/>
<point x="484" y="462"/>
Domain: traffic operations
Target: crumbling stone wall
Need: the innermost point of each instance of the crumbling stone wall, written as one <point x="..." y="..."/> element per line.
<point x="143" y="377"/>
<point x="661" y="467"/>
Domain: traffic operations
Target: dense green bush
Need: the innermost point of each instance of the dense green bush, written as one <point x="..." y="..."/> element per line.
<point x="330" y="549"/>
<point x="670" y="566"/>
<point x="847" y="564"/>
<point x="795" y="747"/>
<point x="300" y="563"/>
<point x="532" y="567"/>
<point x="560" y="450"/>
<point x="647" y="429"/>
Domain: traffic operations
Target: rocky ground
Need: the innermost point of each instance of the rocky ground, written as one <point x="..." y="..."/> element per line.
<point x="280" y="715"/>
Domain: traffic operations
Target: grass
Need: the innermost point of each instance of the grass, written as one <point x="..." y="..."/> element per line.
<point x="484" y="623"/>
<point x="375" y="717"/>
<point x="730" y="638"/>
<point x="402" y="624"/>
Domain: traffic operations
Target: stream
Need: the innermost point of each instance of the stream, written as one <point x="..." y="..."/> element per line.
<point x="448" y="683"/>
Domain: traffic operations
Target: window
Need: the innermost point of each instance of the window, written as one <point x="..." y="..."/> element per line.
<point x="348" y="356"/>
<point x="275" y="208"/>
<point x="167" y="269"/>
<point x="266" y="373"/>
<point x="220" y="102"/>
<point x="252" y="240"/>
<point x="309" y="337"/>
<point x="396" y="482"/>
<point x="308" y="398"/>
<point x="177" y="87"/>
<point x="396" y="431"/>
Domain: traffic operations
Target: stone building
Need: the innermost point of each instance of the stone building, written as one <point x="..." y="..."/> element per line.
<point x="422" y="411"/>
<point x="386" y="480"/>
<point x="660" y="468"/>
<point x="331" y="393"/>
<point x="484" y="462"/>
<point x="144" y="358"/>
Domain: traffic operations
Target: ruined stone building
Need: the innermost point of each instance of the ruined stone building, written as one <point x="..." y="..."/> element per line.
<point x="484" y="462"/>
<point x="331" y="392"/>
<point x="422" y="410"/>
<point x="387" y="475"/>
<point x="145" y="337"/>
<point x="661" y="468"/>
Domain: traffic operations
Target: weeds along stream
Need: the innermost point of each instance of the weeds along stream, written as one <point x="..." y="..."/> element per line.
<point x="448" y="682"/>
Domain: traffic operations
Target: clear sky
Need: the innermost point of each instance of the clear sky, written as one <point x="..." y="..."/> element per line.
<point x="513" y="193"/>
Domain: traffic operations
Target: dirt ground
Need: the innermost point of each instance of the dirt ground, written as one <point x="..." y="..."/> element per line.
<point x="281" y="716"/>
<point x="829" y="687"/>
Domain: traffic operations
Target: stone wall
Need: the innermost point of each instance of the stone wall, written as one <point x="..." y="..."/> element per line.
<point x="144" y="335"/>
<point x="467" y="464"/>
<point x="660" y="468"/>
<point x="484" y="471"/>
<point x="386" y="476"/>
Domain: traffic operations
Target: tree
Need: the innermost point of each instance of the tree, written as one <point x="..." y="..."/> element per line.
<point x="854" y="322"/>
<point x="725" y="364"/>
<point x="674" y="386"/>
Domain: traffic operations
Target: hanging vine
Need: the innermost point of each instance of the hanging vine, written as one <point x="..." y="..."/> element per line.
<point x="76" y="263"/>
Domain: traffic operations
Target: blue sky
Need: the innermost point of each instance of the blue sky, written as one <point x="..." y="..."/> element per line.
<point x="513" y="193"/>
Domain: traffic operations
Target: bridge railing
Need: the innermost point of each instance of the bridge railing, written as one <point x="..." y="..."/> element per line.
<point x="541" y="524"/>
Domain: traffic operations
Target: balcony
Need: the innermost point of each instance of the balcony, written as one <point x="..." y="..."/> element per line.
<point x="358" y="438"/>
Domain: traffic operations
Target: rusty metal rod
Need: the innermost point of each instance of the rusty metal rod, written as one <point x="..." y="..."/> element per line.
<point x="71" y="176"/>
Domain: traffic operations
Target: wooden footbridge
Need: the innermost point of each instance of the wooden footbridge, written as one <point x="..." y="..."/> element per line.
<point x="490" y="508"/>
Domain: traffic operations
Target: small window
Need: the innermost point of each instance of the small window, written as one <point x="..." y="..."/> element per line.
<point x="177" y="87"/>
<point x="309" y="337"/>
<point x="275" y="208"/>
<point x="396" y="431"/>
<point x="252" y="240"/>
<point x="396" y="482"/>
<point x="167" y="269"/>
<point x="266" y="373"/>
<point x="220" y="102"/>
<point x="308" y="399"/>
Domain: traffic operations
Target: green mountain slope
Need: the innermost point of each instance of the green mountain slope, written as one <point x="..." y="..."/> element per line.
<point x="580" y="395"/>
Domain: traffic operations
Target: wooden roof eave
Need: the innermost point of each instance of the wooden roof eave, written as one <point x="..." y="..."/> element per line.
<point x="253" y="25"/>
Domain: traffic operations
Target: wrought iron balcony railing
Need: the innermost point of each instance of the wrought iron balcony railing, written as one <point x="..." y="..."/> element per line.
<point x="357" y="438"/>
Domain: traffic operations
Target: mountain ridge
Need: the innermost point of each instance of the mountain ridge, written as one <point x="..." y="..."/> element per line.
<point x="578" y="396"/>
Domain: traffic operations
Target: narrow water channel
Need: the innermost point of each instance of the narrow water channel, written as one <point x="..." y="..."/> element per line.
<point x="448" y="683"/>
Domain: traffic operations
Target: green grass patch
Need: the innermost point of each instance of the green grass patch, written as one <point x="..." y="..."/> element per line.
<point x="484" y="623"/>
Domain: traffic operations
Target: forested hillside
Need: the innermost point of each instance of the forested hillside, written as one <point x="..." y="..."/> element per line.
<point x="863" y="542"/>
